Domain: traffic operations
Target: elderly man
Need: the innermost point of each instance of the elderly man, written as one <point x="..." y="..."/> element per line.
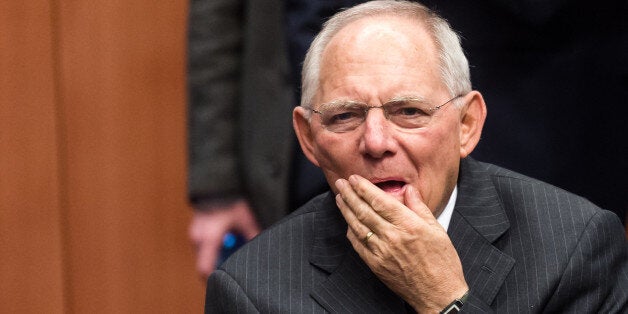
<point x="413" y="223"/>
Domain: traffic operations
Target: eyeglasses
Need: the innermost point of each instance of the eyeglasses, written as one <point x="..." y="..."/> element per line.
<point x="405" y="112"/>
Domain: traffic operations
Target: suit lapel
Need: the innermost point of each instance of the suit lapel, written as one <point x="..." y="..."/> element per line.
<point x="351" y="286"/>
<point x="478" y="221"/>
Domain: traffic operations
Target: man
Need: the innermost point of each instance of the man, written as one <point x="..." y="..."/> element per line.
<point x="414" y="224"/>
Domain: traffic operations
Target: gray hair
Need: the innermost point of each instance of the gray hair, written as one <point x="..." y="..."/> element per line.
<point x="454" y="66"/>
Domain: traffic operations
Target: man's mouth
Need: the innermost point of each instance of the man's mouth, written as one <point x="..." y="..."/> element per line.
<point x="390" y="186"/>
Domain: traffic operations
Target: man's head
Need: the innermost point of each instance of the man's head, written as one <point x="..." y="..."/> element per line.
<point x="402" y="55"/>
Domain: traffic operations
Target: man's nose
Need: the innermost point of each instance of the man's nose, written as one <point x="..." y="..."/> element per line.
<point x="377" y="140"/>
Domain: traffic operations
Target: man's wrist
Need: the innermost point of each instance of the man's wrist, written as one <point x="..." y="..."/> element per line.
<point x="456" y="305"/>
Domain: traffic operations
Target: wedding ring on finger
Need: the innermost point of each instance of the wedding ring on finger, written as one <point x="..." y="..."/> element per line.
<point x="368" y="236"/>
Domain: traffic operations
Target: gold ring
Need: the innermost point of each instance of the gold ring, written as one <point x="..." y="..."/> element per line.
<point x="368" y="236"/>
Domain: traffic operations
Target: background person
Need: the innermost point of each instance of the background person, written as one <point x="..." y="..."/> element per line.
<point x="245" y="167"/>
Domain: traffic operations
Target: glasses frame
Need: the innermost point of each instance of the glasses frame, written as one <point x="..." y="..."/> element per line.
<point x="368" y="107"/>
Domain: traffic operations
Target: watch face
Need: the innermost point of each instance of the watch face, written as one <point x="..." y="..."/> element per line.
<point x="453" y="308"/>
<point x="456" y="306"/>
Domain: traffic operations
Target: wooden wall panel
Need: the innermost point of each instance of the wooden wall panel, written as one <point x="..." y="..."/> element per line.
<point x="122" y="95"/>
<point x="93" y="213"/>
<point x="31" y="271"/>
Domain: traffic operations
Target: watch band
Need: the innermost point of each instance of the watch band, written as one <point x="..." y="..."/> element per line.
<point x="455" y="306"/>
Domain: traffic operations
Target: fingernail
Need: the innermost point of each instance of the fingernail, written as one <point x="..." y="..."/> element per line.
<point x="339" y="183"/>
<point x="338" y="198"/>
<point x="353" y="179"/>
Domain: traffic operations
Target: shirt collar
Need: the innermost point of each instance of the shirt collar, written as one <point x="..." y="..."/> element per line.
<point x="445" y="217"/>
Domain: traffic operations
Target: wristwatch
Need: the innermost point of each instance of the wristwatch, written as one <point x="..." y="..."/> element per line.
<point x="455" y="306"/>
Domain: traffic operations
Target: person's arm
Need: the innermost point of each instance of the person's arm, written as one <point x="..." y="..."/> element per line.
<point x="214" y="187"/>
<point x="214" y="60"/>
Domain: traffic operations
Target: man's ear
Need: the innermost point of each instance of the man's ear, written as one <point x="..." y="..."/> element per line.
<point x="472" y="116"/>
<point x="303" y="130"/>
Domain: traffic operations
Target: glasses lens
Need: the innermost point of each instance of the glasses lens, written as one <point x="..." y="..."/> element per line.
<point x="409" y="114"/>
<point x="342" y="117"/>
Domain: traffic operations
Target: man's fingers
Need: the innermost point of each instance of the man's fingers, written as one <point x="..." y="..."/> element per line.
<point x="243" y="221"/>
<point x="355" y="225"/>
<point x="206" y="232"/>
<point x="361" y="210"/>
<point x="415" y="203"/>
<point x="360" y="245"/>
<point x="385" y="205"/>
<point x="207" y="255"/>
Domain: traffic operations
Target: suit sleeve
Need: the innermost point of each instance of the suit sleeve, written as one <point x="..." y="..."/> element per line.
<point x="224" y="295"/>
<point x="214" y="59"/>
<point x="596" y="278"/>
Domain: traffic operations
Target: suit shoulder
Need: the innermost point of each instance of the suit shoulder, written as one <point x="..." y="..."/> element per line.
<point x="267" y="268"/>
<point x="541" y="202"/>
<point x="294" y="229"/>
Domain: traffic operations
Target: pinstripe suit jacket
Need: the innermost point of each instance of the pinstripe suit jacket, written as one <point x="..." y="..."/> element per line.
<point x="525" y="246"/>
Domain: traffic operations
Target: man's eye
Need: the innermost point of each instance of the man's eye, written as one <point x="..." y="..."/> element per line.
<point x="409" y="112"/>
<point x="343" y="116"/>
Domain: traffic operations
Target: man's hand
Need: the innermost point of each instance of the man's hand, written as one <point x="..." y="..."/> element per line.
<point x="408" y="249"/>
<point x="211" y="223"/>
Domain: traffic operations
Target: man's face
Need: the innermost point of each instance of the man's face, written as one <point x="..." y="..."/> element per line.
<point x="373" y="61"/>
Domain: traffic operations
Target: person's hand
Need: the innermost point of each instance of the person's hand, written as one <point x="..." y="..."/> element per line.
<point x="408" y="249"/>
<point x="211" y="223"/>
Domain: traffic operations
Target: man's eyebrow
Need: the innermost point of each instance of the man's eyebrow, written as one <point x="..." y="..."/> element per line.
<point x="343" y="103"/>
<point x="350" y="102"/>
<point x="401" y="98"/>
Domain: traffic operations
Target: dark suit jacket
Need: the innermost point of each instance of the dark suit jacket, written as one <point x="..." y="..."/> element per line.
<point x="241" y="96"/>
<point x="240" y="105"/>
<point x="525" y="246"/>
